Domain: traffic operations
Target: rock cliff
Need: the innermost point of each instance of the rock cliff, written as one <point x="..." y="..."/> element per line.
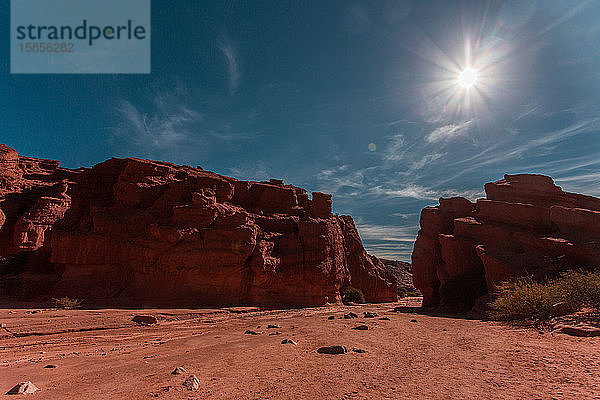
<point x="525" y="225"/>
<point x="146" y="233"/>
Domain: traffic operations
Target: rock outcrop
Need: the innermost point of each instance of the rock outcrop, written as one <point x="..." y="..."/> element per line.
<point x="525" y="225"/>
<point x="139" y="232"/>
<point x="402" y="271"/>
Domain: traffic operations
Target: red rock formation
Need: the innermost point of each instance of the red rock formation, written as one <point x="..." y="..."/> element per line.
<point x="525" y="224"/>
<point x="140" y="232"/>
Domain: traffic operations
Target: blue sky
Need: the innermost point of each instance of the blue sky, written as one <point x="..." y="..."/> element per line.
<point x="355" y="98"/>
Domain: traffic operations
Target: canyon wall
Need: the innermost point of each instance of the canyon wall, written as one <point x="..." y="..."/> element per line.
<point x="147" y="233"/>
<point x="526" y="225"/>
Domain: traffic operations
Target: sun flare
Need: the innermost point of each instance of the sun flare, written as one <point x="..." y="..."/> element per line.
<point x="467" y="77"/>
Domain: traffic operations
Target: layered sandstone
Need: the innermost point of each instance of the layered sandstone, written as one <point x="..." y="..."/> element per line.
<point x="525" y="225"/>
<point x="139" y="232"/>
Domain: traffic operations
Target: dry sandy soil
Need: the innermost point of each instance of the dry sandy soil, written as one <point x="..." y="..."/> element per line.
<point x="101" y="354"/>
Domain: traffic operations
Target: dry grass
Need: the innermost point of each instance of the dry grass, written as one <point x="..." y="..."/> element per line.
<point x="525" y="298"/>
<point x="67" y="303"/>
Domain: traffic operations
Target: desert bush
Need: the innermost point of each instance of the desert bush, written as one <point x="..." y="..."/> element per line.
<point x="525" y="298"/>
<point x="67" y="303"/>
<point x="352" y="295"/>
<point x="407" y="292"/>
<point x="414" y="293"/>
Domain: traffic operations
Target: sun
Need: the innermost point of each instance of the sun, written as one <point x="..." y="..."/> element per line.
<point x="467" y="77"/>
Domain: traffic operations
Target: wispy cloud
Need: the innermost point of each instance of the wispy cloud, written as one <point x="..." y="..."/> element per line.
<point x="449" y="132"/>
<point x="166" y="124"/>
<point x="388" y="241"/>
<point x="233" y="63"/>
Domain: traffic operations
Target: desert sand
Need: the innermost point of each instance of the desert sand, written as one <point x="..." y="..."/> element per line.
<point x="102" y="354"/>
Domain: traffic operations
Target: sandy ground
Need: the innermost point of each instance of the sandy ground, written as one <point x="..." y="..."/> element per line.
<point x="101" y="354"/>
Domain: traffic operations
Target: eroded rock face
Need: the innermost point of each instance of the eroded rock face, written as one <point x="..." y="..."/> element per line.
<point x="525" y="224"/>
<point x="33" y="196"/>
<point x="140" y="232"/>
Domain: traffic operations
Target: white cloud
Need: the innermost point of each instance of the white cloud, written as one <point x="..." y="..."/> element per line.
<point x="426" y="160"/>
<point x="233" y="64"/>
<point x="166" y="125"/>
<point x="449" y="132"/>
<point x="388" y="241"/>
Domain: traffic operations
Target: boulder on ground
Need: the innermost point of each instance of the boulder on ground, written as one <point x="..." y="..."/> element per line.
<point x="332" y="350"/>
<point x="145" y="319"/>
<point x="23" y="388"/>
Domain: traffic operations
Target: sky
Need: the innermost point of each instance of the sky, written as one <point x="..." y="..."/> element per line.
<point x="361" y="99"/>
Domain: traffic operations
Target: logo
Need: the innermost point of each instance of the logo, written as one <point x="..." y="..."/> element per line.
<point x="80" y="36"/>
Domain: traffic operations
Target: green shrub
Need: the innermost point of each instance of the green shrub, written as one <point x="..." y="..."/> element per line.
<point x="352" y="295"/>
<point x="67" y="303"/>
<point x="524" y="298"/>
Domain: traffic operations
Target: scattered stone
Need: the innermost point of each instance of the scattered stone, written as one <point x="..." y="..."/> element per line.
<point x="332" y="350"/>
<point x="399" y="309"/>
<point x="191" y="383"/>
<point x="357" y="350"/>
<point x="274" y="333"/>
<point x="579" y="331"/>
<point x="413" y="320"/>
<point x="288" y="341"/>
<point x="178" y="371"/>
<point x="368" y="314"/>
<point x="50" y="366"/>
<point x="361" y="328"/>
<point x="145" y="319"/>
<point x="23" y="388"/>
<point x="331" y="317"/>
<point x="560" y="309"/>
<point x="273" y="326"/>
<point x="250" y="332"/>
<point x="350" y="315"/>
<point x="384" y="319"/>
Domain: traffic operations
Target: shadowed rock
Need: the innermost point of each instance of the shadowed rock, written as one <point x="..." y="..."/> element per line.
<point x="361" y="328"/>
<point x="332" y="350"/>
<point x="191" y="383"/>
<point x="525" y="225"/>
<point x="139" y="232"/>
<point x="178" y="371"/>
<point x="145" y="319"/>
<point x="23" y="388"/>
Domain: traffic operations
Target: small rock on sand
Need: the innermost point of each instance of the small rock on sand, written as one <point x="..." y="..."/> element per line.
<point x="50" y="366"/>
<point x="357" y="350"/>
<point x="288" y="341"/>
<point x="270" y="326"/>
<point x="368" y="314"/>
<point x="145" y="319"/>
<point x="413" y="320"/>
<point x="361" y="328"/>
<point x="384" y="319"/>
<point x="178" y="371"/>
<point x="331" y="317"/>
<point x="191" y="383"/>
<point x="332" y="350"/>
<point x="579" y="331"/>
<point x="23" y="388"/>
<point x="350" y="315"/>
<point x="250" y="332"/>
